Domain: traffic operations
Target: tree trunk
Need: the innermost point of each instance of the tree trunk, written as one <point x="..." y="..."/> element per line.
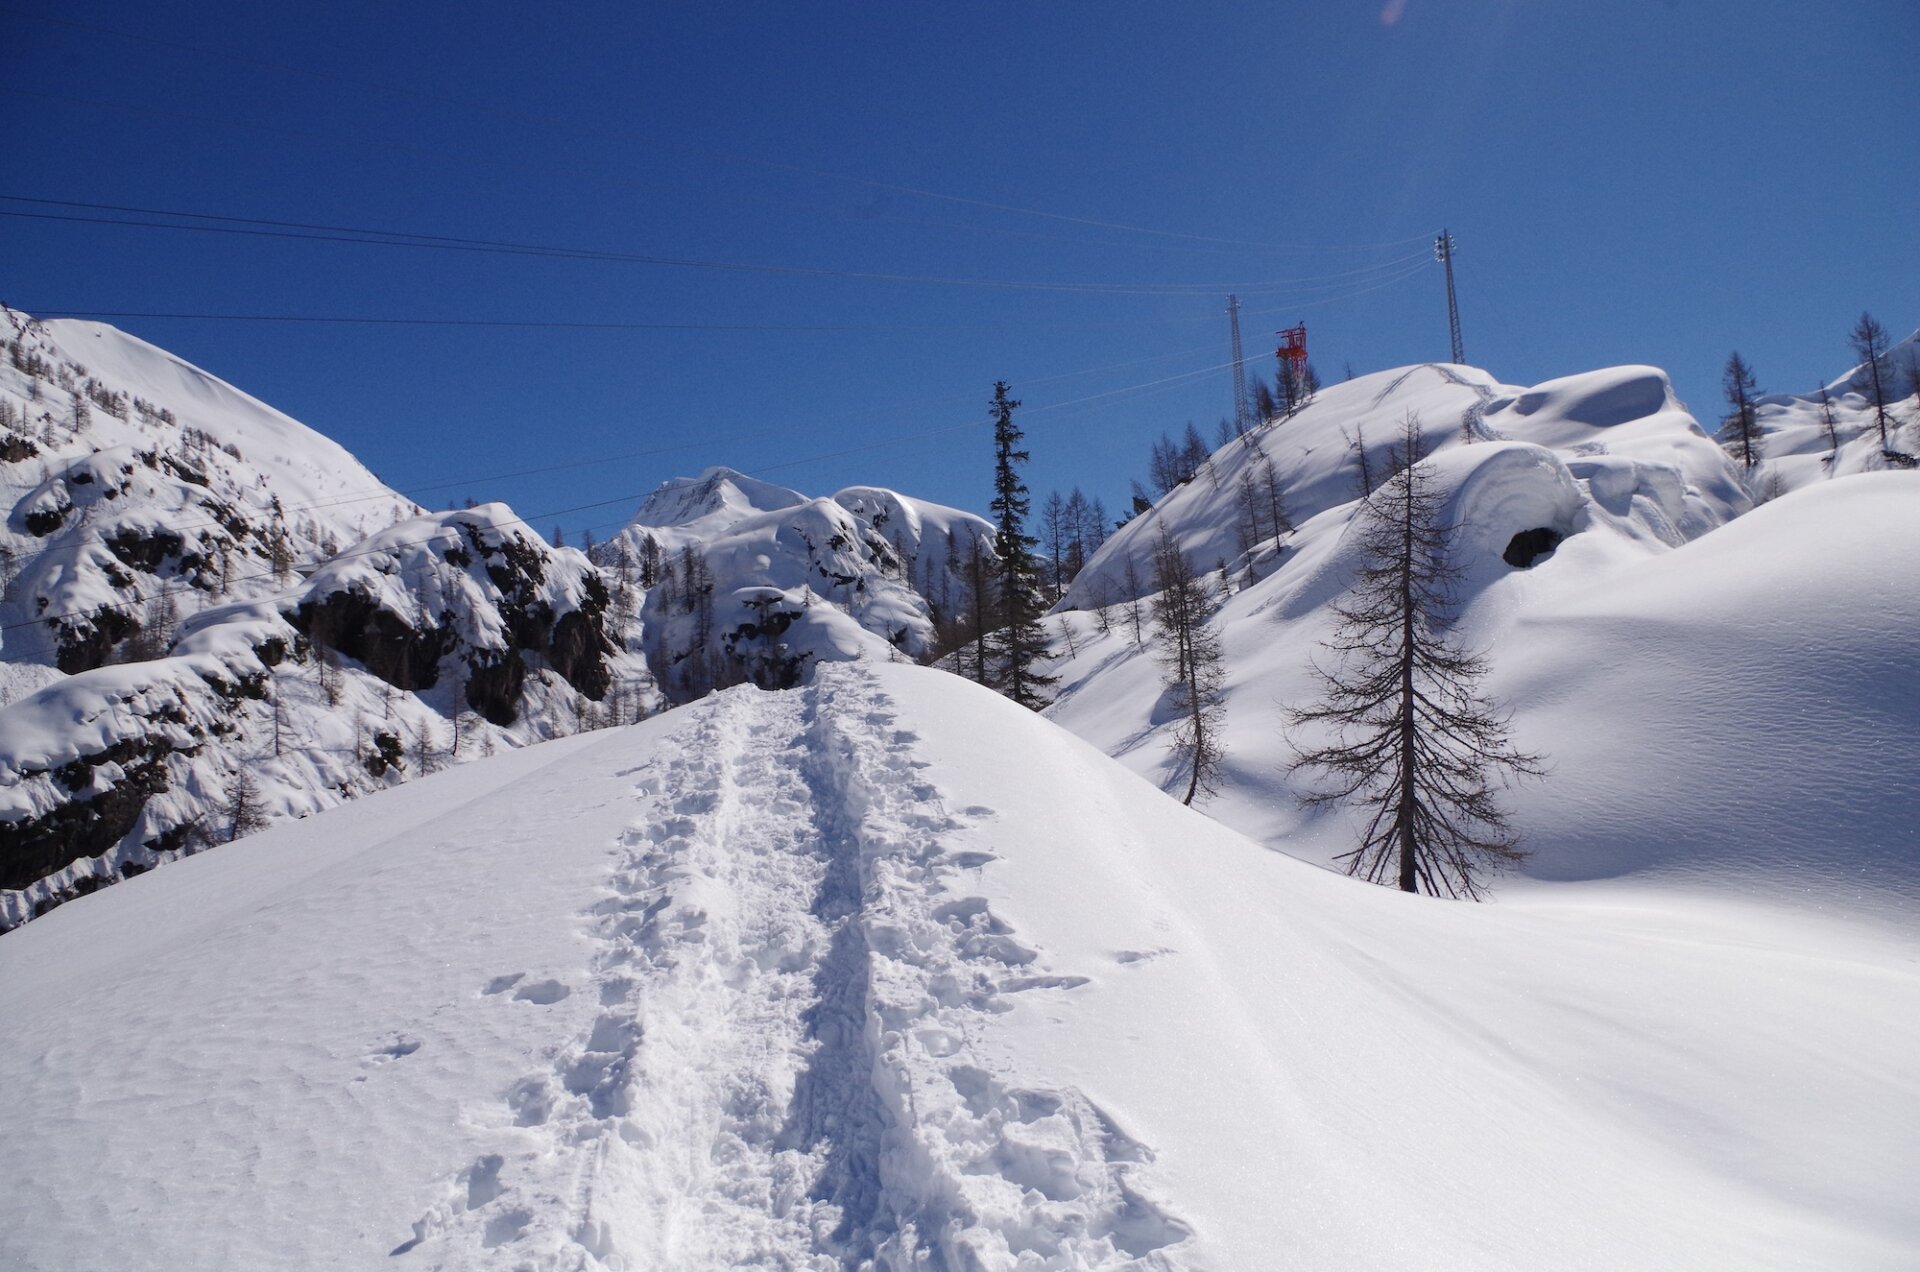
<point x="1404" y="814"/>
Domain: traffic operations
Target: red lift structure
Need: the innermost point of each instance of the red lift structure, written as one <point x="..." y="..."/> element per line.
<point x="1293" y="349"/>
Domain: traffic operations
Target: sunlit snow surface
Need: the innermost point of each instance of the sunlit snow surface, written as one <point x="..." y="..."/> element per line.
<point x="886" y="967"/>
<point x="1723" y="694"/>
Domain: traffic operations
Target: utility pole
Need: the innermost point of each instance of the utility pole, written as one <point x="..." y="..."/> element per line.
<point x="1443" y="252"/>
<point x="1240" y="409"/>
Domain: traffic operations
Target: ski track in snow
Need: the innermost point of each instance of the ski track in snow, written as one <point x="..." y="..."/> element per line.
<point x="783" y="1071"/>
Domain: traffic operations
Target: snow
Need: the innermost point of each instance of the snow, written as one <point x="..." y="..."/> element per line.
<point x="882" y="971"/>
<point x="1667" y="480"/>
<point x="1701" y="698"/>
<point x="792" y="582"/>
<point x="189" y="464"/>
<point x="1795" y="449"/>
<point x="886" y="966"/>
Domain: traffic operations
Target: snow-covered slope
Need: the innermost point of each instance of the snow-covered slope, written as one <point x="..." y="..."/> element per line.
<point x="255" y="626"/>
<point x="888" y="968"/>
<point x="433" y="642"/>
<point x="213" y="616"/>
<point x="1805" y="439"/>
<point x="1618" y="431"/>
<point x="139" y="489"/>
<point x="1700" y="698"/>
<point x="747" y="581"/>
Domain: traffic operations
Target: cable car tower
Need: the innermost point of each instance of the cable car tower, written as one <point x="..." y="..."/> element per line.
<point x="1292" y="354"/>
<point x="1240" y="408"/>
<point x="1443" y="252"/>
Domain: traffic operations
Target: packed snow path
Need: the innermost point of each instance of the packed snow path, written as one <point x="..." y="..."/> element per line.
<point x="780" y="1073"/>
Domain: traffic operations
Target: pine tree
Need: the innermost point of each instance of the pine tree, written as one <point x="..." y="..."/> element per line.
<point x="1742" y="428"/>
<point x="1413" y="737"/>
<point x="1020" y="646"/>
<point x="1191" y="670"/>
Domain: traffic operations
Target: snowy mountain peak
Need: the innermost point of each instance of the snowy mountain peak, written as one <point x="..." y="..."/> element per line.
<point x="711" y="502"/>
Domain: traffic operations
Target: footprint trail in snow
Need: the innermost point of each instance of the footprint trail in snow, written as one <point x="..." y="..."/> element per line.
<point x="782" y="1070"/>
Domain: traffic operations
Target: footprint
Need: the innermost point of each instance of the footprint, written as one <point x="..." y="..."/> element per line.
<point x="501" y="984"/>
<point x="531" y="1100"/>
<point x="483" y="1181"/>
<point x="544" y="992"/>
<point x="394" y="1050"/>
<point x="505" y="1227"/>
<point x="1019" y="984"/>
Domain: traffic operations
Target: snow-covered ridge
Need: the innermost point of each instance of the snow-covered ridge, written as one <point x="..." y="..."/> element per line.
<point x="139" y="489"/>
<point x="254" y="626"/>
<point x="1620" y="428"/>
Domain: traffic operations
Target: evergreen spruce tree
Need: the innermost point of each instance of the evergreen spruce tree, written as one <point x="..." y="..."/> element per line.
<point x="1020" y="646"/>
<point x="1414" y="739"/>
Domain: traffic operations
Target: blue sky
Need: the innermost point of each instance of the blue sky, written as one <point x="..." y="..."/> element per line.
<point x="1632" y="182"/>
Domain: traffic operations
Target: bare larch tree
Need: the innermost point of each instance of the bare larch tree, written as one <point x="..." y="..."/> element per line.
<point x="1741" y="431"/>
<point x="1190" y="663"/>
<point x="1414" y="739"/>
<point x="1869" y="341"/>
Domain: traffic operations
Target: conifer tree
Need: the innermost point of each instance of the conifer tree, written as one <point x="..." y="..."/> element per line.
<point x="1057" y="532"/>
<point x="1869" y="341"/>
<point x="1189" y="655"/>
<point x="980" y="609"/>
<point x="1020" y="646"/>
<point x="1742" y="429"/>
<point x="1414" y="739"/>
<point x="243" y="810"/>
<point x="1828" y="423"/>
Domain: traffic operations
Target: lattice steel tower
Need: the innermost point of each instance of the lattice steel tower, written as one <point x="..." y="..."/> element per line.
<point x="1240" y="408"/>
<point x="1443" y="252"/>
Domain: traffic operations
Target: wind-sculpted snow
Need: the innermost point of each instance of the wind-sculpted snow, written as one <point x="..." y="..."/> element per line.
<point x="1706" y="688"/>
<point x="1622" y="424"/>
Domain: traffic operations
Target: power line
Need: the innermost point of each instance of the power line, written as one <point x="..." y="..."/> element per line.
<point x="183" y="589"/>
<point x="544" y="324"/>
<point x="571" y="123"/>
<point x="415" y="491"/>
<point x="253" y="227"/>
